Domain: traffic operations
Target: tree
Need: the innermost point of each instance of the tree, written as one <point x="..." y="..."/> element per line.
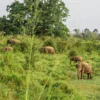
<point x="86" y="31"/>
<point x="5" y="24"/>
<point x="32" y="15"/>
<point x="95" y="34"/>
<point x="87" y="34"/>
<point x="16" y="16"/>
<point x="77" y="31"/>
<point x="3" y="21"/>
<point x="95" y="31"/>
<point x="54" y="13"/>
<point x="45" y="17"/>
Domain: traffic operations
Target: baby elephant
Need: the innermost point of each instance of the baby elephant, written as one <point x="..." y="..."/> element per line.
<point x="7" y="48"/>
<point x="76" y="59"/>
<point x="47" y="49"/>
<point x="82" y="68"/>
<point x="13" y="41"/>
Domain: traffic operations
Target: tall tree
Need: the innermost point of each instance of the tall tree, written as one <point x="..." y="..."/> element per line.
<point x="33" y="15"/>
<point x="86" y="31"/>
<point x="5" y="25"/>
<point x="95" y="31"/>
<point x="77" y="31"/>
<point x="16" y="16"/>
<point x="95" y="34"/>
<point x="53" y="16"/>
<point x="48" y="17"/>
<point x="87" y="34"/>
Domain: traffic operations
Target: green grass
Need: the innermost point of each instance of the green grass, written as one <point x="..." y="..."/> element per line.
<point x="89" y="89"/>
<point x="52" y="77"/>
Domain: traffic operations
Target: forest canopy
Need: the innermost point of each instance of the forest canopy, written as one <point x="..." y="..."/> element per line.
<point x="39" y="17"/>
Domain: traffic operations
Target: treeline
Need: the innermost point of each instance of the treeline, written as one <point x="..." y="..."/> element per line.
<point x="39" y="17"/>
<point x="87" y="34"/>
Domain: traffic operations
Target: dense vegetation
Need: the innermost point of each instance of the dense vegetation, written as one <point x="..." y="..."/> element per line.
<point x="45" y="17"/>
<point x="27" y="74"/>
<point x="51" y="77"/>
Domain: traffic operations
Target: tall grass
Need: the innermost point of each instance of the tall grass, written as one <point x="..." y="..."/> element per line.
<point x="31" y="53"/>
<point x="50" y="86"/>
<point x="28" y="74"/>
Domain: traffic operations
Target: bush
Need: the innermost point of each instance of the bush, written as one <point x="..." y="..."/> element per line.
<point x="72" y="53"/>
<point x="25" y="45"/>
<point x="61" y="46"/>
<point x="49" y="42"/>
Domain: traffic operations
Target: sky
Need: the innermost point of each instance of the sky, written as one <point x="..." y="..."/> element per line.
<point x="83" y="13"/>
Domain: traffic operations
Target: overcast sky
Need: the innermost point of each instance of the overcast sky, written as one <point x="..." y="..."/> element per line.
<point x="83" y="13"/>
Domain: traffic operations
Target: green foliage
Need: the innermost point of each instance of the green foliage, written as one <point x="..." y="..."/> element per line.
<point x="54" y="13"/>
<point x="72" y="53"/>
<point x="36" y="17"/>
<point x="49" y="42"/>
<point x="52" y="77"/>
<point x="61" y="46"/>
<point x="16" y="17"/>
<point x="25" y="45"/>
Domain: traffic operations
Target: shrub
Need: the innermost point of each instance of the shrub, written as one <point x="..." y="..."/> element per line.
<point x="25" y="45"/>
<point x="72" y="53"/>
<point x="49" y="42"/>
<point x="61" y="46"/>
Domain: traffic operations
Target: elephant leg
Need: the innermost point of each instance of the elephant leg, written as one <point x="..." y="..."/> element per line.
<point x="82" y="72"/>
<point x="88" y="75"/>
<point x="81" y="75"/>
<point x="46" y="51"/>
<point x="78" y="74"/>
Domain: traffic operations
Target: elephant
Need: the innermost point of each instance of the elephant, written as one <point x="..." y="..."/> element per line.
<point x="7" y="48"/>
<point x="13" y="41"/>
<point x="47" y="49"/>
<point x="76" y="59"/>
<point x="84" y="68"/>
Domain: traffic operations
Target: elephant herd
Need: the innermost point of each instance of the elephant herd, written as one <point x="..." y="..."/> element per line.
<point x="45" y="49"/>
<point x="12" y="42"/>
<point x="82" y="66"/>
